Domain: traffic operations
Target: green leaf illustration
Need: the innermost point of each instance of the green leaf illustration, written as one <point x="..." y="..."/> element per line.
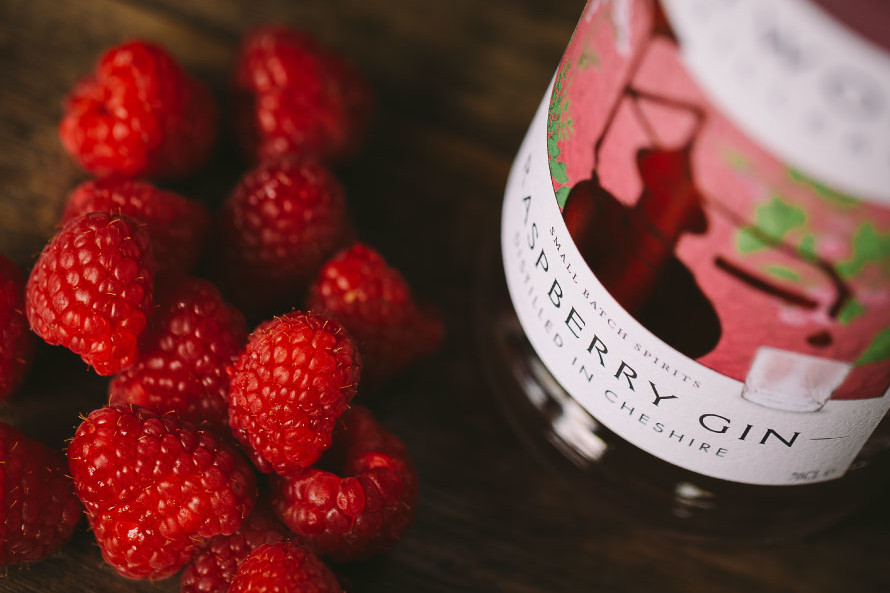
<point x="558" y="171"/>
<point x="823" y="191"/>
<point x="552" y="146"/>
<point x="777" y="217"/>
<point x="850" y="311"/>
<point x="559" y="128"/>
<point x="772" y="221"/>
<point x="868" y="246"/>
<point x="877" y="351"/>
<point x="783" y="272"/>
<point x="747" y="240"/>
<point x="807" y="248"/>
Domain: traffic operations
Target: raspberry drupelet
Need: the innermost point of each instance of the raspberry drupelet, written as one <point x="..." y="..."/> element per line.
<point x="193" y="335"/>
<point x="294" y="97"/>
<point x="16" y="341"/>
<point x="39" y="510"/>
<point x="294" y="379"/>
<point x="361" y="514"/>
<point x="139" y="115"/>
<point x="374" y="302"/>
<point x="91" y="290"/>
<point x="214" y="567"/>
<point x="176" y="225"/>
<point x="284" y="567"/>
<point x="276" y="229"/>
<point x="156" y="489"/>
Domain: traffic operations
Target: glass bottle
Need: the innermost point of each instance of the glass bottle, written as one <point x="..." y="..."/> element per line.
<point x="696" y="247"/>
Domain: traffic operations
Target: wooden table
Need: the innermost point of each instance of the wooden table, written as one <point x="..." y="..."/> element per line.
<point x="457" y="82"/>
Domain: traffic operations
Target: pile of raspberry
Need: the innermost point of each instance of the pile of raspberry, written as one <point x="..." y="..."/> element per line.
<point x="232" y="448"/>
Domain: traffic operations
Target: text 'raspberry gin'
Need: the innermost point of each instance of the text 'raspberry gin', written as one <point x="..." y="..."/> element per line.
<point x="696" y="246"/>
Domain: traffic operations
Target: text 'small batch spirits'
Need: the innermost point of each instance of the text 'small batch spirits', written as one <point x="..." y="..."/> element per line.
<point x="696" y="245"/>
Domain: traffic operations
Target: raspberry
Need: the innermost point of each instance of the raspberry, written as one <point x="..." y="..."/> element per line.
<point x="214" y="567"/>
<point x="193" y="336"/>
<point x="139" y="114"/>
<point x="294" y="97"/>
<point x="289" y="386"/>
<point x="283" y="567"/>
<point x="91" y="290"/>
<point x="39" y="510"/>
<point x="276" y="229"/>
<point x="16" y="342"/>
<point x="177" y="226"/>
<point x="155" y="489"/>
<point x="356" y="517"/>
<point x="373" y="301"/>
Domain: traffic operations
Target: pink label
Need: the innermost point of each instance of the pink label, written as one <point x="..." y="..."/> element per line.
<point x="721" y="307"/>
<point x="723" y="248"/>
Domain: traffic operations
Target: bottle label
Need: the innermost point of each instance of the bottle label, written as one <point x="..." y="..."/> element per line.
<point x="704" y="287"/>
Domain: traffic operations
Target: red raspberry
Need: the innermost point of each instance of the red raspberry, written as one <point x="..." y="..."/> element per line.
<point x="155" y="489"/>
<point x="139" y="114"/>
<point x="16" y="342"/>
<point x="277" y="228"/>
<point x="214" y="567"/>
<point x="177" y="226"/>
<point x="373" y="301"/>
<point x="289" y="386"/>
<point x="39" y="510"/>
<point x="193" y="336"/>
<point x="91" y="290"/>
<point x="355" y="517"/>
<point x="294" y="97"/>
<point x="284" y="567"/>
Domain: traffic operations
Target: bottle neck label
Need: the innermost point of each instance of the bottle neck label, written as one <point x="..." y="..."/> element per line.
<point x="705" y="292"/>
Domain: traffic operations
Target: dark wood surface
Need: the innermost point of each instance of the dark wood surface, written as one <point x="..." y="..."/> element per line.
<point x="457" y="82"/>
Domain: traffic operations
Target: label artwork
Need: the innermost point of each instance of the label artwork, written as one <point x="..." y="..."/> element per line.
<point x="717" y="307"/>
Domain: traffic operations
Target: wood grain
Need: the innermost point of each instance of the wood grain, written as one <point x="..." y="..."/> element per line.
<point x="457" y="83"/>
